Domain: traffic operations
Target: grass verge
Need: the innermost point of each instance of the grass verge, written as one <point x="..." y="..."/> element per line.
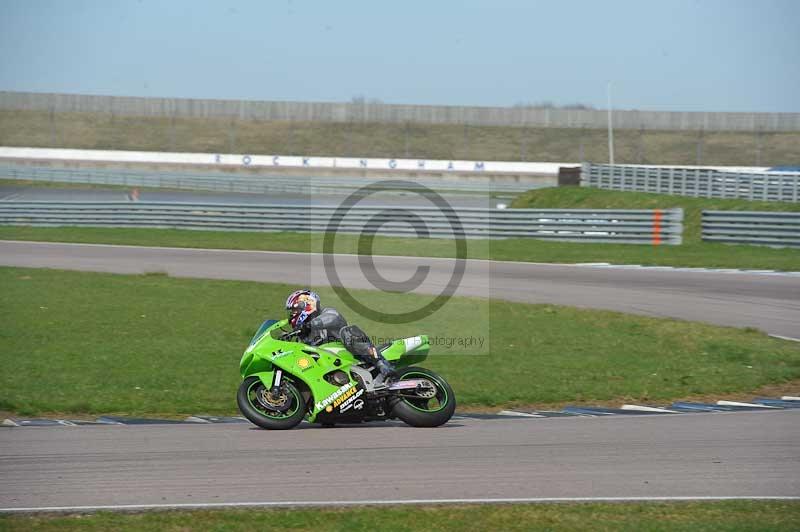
<point x="691" y="516"/>
<point x="76" y="342"/>
<point x="107" y="131"/>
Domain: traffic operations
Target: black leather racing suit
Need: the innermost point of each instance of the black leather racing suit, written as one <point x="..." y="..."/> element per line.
<point x="322" y="327"/>
<point x="328" y="325"/>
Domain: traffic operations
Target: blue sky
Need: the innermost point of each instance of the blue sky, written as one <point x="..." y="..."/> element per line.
<point x="693" y="55"/>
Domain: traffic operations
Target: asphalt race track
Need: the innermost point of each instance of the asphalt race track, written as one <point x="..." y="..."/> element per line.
<point x="660" y="457"/>
<point x="300" y="198"/>
<point x="685" y="456"/>
<point x="770" y="302"/>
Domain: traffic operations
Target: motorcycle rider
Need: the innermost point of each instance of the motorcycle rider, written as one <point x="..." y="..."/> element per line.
<point x="315" y="325"/>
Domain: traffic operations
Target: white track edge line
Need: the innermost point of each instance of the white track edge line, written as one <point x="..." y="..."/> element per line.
<point x="643" y="408"/>
<point x="513" y="413"/>
<point x="749" y="405"/>
<point x="789" y="338"/>
<point x="391" y="502"/>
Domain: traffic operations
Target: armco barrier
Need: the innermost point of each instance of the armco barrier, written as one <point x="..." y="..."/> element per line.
<point x="746" y="227"/>
<point x="695" y="182"/>
<point x="620" y="226"/>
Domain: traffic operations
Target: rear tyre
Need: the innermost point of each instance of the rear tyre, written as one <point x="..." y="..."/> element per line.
<point x="261" y="408"/>
<point x="432" y="409"/>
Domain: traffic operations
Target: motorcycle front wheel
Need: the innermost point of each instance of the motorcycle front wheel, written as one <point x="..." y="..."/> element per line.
<point x="257" y="404"/>
<point x="431" y="408"/>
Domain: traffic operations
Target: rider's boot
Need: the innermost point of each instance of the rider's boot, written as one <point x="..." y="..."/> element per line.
<point x="384" y="367"/>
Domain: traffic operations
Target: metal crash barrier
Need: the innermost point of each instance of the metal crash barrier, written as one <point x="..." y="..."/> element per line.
<point x="781" y="229"/>
<point x="695" y="182"/>
<point x="579" y="225"/>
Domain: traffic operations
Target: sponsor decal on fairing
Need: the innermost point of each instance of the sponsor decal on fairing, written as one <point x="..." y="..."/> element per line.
<point x="352" y="402"/>
<point x="333" y="397"/>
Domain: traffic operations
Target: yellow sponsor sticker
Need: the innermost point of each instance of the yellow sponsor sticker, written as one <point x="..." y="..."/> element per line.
<point x="345" y="396"/>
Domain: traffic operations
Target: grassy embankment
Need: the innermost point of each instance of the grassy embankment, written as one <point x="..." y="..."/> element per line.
<point x="689" y="516"/>
<point x="693" y="252"/>
<point x="221" y="135"/>
<point x="88" y="343"/>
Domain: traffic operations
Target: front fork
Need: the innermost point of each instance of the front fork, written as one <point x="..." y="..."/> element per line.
<point x="276" y="383"/>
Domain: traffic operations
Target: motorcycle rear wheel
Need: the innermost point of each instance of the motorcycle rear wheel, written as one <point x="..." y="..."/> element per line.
<point x="425" y="412"/>
<point x="250" y="399"/>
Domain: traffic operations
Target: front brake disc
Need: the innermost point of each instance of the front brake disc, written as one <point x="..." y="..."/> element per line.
<point x="280" y="403"/>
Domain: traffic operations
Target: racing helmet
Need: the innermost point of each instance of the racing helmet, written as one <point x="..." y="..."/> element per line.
<point x="300" y="305"/>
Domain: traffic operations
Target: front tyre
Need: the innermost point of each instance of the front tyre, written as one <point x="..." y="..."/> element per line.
<point x="430" y="408"/>
<point x="258" y="405"/>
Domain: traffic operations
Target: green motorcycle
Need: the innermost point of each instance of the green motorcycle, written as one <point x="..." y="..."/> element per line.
<point x="286" y="381"/>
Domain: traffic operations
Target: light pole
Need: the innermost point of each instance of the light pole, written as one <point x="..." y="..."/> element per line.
<point x="610" y="128"/>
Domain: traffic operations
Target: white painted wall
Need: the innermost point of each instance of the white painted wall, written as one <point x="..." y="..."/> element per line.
<point x="311" y="162"/>
<point x="287" y="161"/>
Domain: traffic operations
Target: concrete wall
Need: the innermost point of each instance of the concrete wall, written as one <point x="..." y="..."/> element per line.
<point x="498" y="172"/>
<point x="390" y="113"/>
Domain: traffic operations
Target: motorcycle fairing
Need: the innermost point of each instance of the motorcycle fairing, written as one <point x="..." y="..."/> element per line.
<point x="266" y="352"/>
